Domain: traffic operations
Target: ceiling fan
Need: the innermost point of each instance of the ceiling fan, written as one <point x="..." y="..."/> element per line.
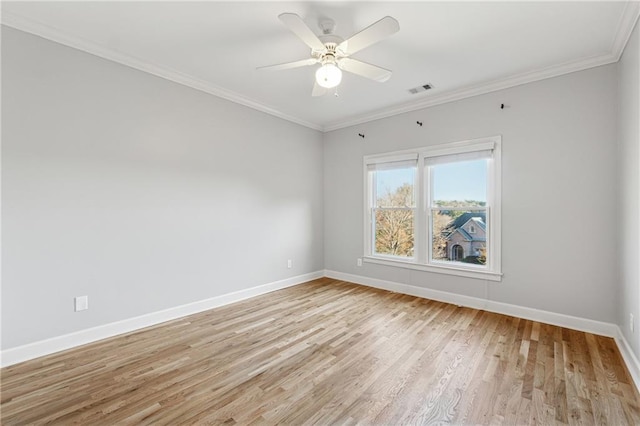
<point x="333" y="52"/>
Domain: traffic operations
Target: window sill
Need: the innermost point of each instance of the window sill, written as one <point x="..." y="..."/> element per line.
<point x="448" y="270"/>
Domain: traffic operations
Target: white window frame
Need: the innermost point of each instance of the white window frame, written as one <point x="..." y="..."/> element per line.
<point x="422" y="241"/>
<point x="397" y="157"/>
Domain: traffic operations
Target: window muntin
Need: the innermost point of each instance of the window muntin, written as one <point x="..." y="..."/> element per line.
<point x="453" y="181"/>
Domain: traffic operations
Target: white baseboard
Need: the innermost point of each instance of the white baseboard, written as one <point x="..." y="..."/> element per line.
<point x="567" y="321"/>
<point x="55" y="344"/>
<point x="46" y="347"/>
<point x="562" y="320"/>
<point x="630" y="358"/>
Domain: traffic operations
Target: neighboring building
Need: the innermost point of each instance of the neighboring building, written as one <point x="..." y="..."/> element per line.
<point x="467" y="237"/>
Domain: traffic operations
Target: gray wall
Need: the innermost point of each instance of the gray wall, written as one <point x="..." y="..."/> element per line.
<point x="558" y="196"/>
<point x="628" y="229"/>
<point x="145" y="195"/>
<point x="140" y="193"/>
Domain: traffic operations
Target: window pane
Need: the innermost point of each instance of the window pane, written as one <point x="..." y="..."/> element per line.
<point x="461" y="184"/>
<point x="394" y="232"/>
<point x="395" y="187"/>
<point x="459" y="236"/>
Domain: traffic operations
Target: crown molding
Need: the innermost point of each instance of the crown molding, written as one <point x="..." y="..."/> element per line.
<point x="628" y="19"/>
<point x="625" y="27"/>
<point x="53" y="34"/>
<point x="476" y="90"/>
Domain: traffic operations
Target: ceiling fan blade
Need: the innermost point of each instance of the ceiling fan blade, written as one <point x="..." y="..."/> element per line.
<point x="370" y="35"/>
<point x="289" y="65"/>
<point x="364" y="69"/>
<point x="318" y="90"/>
<point x="299" y="28"/>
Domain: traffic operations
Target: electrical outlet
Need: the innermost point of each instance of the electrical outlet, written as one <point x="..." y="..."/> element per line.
<point x="631" y="322"/>
<point x="81" y="303"/>
<point x="359" y="262"/>
<point x="289" y="264"/>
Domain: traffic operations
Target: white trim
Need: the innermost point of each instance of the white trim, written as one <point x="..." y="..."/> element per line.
<point x="625" y="28"/>
<point x="561" y="320"/>
<point x="629" y="357"/>
<point x="553" y="318"/>
<point x="461" y="271"/>
<point x="55" y="344"/>
<point x="475" y="90"/>
<point x="68" y="341"/>
<point x="50" y="33"/>
<point x="494" y="210"/>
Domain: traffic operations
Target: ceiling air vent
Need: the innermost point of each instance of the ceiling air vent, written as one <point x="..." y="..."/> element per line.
<point x="419" y="89"/>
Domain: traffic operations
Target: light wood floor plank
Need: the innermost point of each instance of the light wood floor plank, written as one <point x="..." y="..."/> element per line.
<point x="330" y="352"/>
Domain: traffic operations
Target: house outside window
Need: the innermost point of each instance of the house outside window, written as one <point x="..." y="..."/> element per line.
<point x="436" y="208"/>
<point x="467" y="231"/>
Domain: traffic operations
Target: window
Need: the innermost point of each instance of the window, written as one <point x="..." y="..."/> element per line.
<point x="436" y="208"/>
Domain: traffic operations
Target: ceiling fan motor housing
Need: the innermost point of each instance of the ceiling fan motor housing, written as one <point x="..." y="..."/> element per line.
<point x="331" y="43"/>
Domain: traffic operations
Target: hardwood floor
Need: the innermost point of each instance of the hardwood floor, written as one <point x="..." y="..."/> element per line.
<point x="330" y="352"/>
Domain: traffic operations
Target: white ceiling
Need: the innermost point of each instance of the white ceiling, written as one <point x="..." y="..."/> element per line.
<point x="462" y="49"/>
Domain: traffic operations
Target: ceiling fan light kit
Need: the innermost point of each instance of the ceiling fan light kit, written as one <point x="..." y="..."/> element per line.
<point x="328" y="75"/>
<point x="333" y="53"/>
